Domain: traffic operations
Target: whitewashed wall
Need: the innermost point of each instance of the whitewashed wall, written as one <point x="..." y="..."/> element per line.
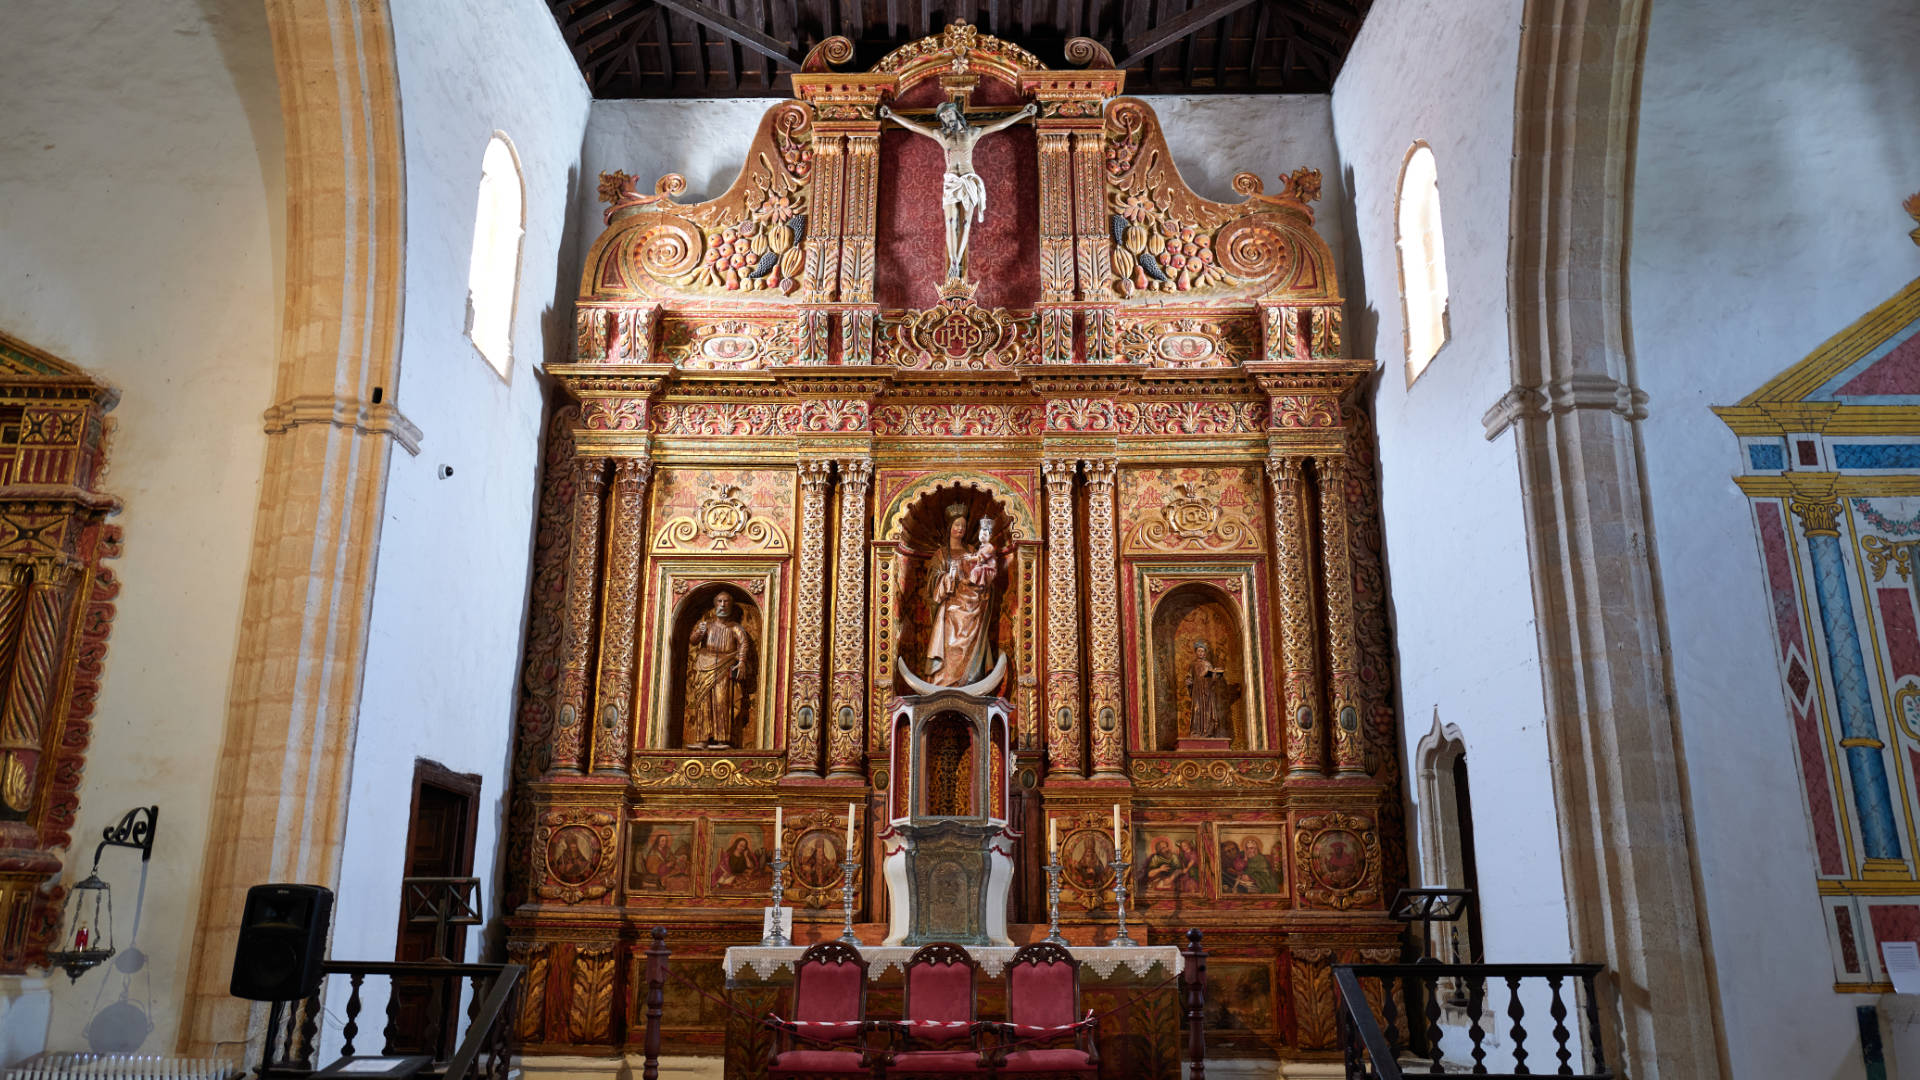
<point x="450" y="593"/>
<point x="1212" y="138"/>
<point x="1456" y="543"/>
<point x="1774" y="150"/>
<point x="141" y="206"/>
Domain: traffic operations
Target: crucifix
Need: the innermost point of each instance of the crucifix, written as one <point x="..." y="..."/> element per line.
<point x="963" y="195"/>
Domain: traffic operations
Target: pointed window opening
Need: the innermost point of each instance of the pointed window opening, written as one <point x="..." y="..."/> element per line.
<point x="493" y="274"/>
<point x="1423" y="260"/>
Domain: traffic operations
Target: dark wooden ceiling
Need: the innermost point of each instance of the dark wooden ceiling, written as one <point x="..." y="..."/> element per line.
<point x="729" y="48"/>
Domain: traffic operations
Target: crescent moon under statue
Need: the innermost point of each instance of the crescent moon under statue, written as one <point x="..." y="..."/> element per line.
<point x="978" y="689"/>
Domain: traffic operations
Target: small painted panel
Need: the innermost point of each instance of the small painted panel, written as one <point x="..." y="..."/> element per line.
<point x="1192" y="510"/>
<point x="735" y="511"/>
<point x="1252" y="859"/>
<point x="662" y="860"/>
<point x="1169" y="863"/>
<point x="742" y="859"/>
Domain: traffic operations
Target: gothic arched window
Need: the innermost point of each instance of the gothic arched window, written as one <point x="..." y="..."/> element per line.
<point x="1423" y="259"/>
<point x="493" y="274"/>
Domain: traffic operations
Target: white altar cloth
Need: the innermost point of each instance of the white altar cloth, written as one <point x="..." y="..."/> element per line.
<point x="1102" y="960"/>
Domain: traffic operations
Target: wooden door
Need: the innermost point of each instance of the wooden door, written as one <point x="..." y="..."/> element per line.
<point x="440" y="838"/>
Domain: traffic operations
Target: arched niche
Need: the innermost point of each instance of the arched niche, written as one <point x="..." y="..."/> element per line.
<point x="924" y="531"/>
<point x="1185" y="614"/>
<point x="695" y="605"/>
<point x="911" y="499"/>
<point x="947" y="788"/>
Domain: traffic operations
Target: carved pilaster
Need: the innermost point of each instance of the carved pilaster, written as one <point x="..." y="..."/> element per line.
<point x="37" y="669"/>
<point x="1299" y="648"/>
<point x="822" y="266"/>
<point x="1343" y="658"/>
<point x="862" y="193"/>
<point x="1103" y="623"/>
<point x="846" y="743"/>
<point x="1093" y="243"/>
<point x="626" y="544"/>
<point x="583" y="574"/>
<point x="1063" y="623"/>
<point x="810" y="611"/>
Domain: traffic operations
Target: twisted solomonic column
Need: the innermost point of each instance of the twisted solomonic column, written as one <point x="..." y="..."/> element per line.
<point x="34" y="687"/>
<point x="1299" y="644"/>
<point x="626" y="545"/>
<point x="810" y="616"/>
<point x="583" y="576"/>
<point x="846" y="742"/>
<point x="1063" y="622"/>
<point x="1103" y="623"/>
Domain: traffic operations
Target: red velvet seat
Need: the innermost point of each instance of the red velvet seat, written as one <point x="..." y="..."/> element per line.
<point x="830" y="1005"/>
<point x="1043" y="1009"/>
<point x="940" y="1033"/>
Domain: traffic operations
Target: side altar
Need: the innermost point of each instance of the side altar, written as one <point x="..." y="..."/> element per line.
<point x="958" y="381"/>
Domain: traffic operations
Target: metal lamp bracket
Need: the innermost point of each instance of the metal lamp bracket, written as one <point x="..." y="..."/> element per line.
<point x="136" y="830"/>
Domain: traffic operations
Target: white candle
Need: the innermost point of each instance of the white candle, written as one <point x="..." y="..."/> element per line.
<point x="850" y="812"/>
<point x="778" y="821"/>
<point x="1116" y="829"/>
<point x="1053" y="836"/>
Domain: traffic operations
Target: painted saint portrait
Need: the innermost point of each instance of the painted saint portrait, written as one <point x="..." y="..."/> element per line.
<point x="816" y="859"/>
<point x="741" y="861"/>
<point x="573" y="854"/>
<point x="1086" y="859"/>
<point x="1339" y="860"/>
<point x="1169" y="862"/>
<point x="1250" y="860"/>
<point x="662" y="862"/>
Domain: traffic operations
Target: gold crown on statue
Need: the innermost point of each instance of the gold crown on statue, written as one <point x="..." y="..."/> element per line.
<point x="956" y="510"/>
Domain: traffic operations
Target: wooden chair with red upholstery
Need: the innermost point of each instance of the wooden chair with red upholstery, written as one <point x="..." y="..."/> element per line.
<point x="1043" y="1010"/>
<point x="829" y="1004"/>
<point x="939" y="1035"/>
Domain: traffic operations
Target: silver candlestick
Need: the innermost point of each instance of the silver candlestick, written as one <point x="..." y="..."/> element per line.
<point x="1120" y="868"/>
<point x="846" y="902"/>
<point x="1053" y="901"/>
<point x="777" y="938"/>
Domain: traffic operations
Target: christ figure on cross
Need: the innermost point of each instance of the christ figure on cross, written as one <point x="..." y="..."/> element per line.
<point x="963" y="194"/>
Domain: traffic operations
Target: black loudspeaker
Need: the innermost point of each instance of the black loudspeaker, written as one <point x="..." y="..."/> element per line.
<point x="283" y="941"/>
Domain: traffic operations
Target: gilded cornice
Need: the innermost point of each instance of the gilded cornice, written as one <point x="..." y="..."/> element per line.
<point x="1840" y="351"/>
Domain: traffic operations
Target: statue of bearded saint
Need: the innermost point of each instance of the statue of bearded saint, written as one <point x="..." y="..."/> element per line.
<point x="963" y="195"/>
<point x="719" y="677"/>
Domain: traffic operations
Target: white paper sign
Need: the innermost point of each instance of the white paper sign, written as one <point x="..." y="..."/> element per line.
<point x="1903" y="965"/>
<point x="368" y="1065"/>
<point x="778" y="919"/>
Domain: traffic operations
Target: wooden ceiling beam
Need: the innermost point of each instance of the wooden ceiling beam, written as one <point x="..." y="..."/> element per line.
<point x="730" y="27"/>
<point x="637" y="23"/>
<point x="1175" y="30"/>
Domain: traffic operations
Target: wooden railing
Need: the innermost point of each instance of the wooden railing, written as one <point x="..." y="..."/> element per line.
<point x="486" y="1051"/>
<point x="1395" y="1013"/>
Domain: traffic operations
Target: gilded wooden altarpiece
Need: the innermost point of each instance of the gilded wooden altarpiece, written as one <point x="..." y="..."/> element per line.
<point x="774" y="392"/>
<point x="56" y="607"/>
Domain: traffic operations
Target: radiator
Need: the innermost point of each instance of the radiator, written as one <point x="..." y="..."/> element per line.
<point x="80" y="1066"/>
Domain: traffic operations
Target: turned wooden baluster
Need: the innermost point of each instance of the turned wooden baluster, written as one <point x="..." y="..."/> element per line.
<point x="1432" y="985"/>
<point x="1516" y="1011"/>
<point x="1476" y="1004"/>
<point x="1558" y="1010"/>
<point x="1593" y="1026"/>
<point x="393" y="1018"/>
<point x="352" y="1026"/>
<point x="1196" y="1006"/>
<point x="656" y="1001"/>
<point x="309" y="1028"/>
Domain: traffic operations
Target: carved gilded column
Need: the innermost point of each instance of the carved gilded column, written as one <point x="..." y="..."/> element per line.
<point x="626" y="544"/>
<point x="1093" y="243"/>
<point x="846" y="745"/>
<point x="1299" y="647"/>
<point x="1063" y="622"/>
<point x="1103" y="623"/>
<point x="810" y="615"/>
<point x="583" y="574"/>
<point x="857" y="253"/>
<point x="35" y="683"/>
<point x="1343" y="657"/>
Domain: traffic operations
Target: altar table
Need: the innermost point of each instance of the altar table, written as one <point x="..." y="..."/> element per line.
<point x="1143" y="1041"/>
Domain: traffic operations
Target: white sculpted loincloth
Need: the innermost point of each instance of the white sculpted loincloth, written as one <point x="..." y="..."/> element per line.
<point x="967" y="191"/>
